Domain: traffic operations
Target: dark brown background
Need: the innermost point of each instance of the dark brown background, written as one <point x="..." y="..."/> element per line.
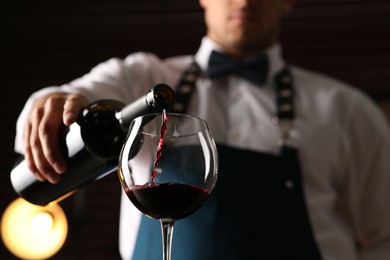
<point x="51" y="42"/>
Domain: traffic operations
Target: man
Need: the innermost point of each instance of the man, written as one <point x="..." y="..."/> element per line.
<point x="304" y="158"/>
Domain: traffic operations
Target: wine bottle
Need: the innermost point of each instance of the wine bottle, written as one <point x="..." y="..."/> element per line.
<point x="91" y="146"/>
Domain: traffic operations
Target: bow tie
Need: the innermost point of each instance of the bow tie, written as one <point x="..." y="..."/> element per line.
<point x="253" y="68"/>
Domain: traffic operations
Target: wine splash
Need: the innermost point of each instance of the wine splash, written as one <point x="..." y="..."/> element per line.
<point x="163" y="130"/>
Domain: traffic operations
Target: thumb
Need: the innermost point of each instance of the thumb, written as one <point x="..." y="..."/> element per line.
<point x="73" y="105"/>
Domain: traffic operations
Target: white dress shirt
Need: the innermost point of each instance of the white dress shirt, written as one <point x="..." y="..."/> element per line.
<point x="344" y="141"/>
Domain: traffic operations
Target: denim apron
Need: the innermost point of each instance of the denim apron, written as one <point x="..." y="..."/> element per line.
<point x="256" y="211"/>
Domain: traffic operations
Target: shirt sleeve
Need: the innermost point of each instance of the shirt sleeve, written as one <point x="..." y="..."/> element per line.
<point x="369" y="175"/>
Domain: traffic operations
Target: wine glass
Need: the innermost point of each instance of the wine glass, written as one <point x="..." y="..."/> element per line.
<point x="168" y="168"/>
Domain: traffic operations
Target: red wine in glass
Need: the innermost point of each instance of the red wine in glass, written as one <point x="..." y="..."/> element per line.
<point x="167" y="200"/>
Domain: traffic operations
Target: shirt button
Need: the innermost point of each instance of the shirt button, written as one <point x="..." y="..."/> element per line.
<point x="289" y="184"/>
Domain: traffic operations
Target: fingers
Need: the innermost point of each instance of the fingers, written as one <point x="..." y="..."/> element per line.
<point x="30" y="141"/>
<point x="34" y="155"/>
<point x="42" y="151"/>
<point x="48" y="136"/>
<point x="72" y="107"/>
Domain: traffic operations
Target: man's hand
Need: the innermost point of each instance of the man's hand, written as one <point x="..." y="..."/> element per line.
<point x="42" y="152"/>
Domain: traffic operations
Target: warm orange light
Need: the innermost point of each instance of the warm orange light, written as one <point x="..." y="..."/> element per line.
<point x="33" y="232"/>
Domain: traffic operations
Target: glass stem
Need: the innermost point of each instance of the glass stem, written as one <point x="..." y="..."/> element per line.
<point x="166" y="230"/>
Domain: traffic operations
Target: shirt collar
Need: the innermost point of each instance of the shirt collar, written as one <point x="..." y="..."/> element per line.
<point x="274" y="53"/>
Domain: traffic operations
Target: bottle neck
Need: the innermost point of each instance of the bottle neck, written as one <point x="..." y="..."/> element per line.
<point x="156" y="100"/>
